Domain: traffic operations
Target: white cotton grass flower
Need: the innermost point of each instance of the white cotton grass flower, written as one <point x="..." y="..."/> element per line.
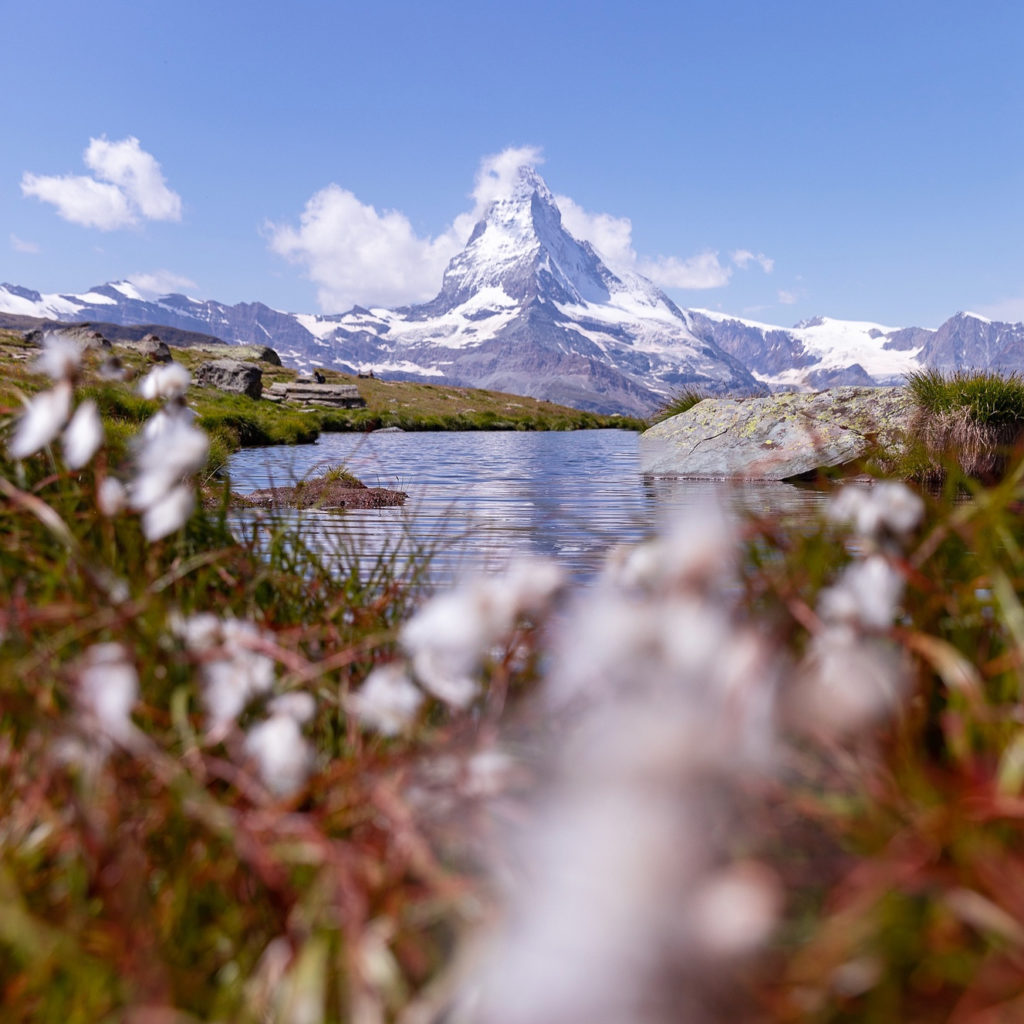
<point x="666" y="704"/>
<point x="83" y="435"/>
<point x="885" y="507"/>
<point x="42" y="420"/>
<point x="164" y="460"/>
<point x="108" y="687"/>
<point x="736" y="910"/>
<point x="847" y="682"/>
<point x="111" y="496"/>
<point x="232" y="669"/>
<point x="165" y="381"/>
<point x="388" y="701"/>
<point x="60" y="358"/>
<point x="168" y="513"/>
<point x="164" y="420"/>
<point x="282" y="754"/>
<point x="449" y="637"/>
<point x="866" y="594"/>
<point x="201" y="632"/>
<point x="296" y="704"/>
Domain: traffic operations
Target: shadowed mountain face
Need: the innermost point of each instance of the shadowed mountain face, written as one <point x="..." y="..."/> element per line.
<point x="527" y="308"/>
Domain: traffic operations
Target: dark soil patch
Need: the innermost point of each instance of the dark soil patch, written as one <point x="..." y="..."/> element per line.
<point x="344" y="493"/>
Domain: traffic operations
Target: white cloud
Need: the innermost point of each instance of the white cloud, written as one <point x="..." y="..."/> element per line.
<point x="20" y="245"/>
<point x="1008" y="311"/>
<point x="611" y="236"/>
<point x="356" y="254"/>
<point x="788" y="298"/>
<point x="744" y="257"/>
<point x="497" y="174"/>
<point x="127" y="186"/>
<point x="161" y="282"/>
<point x="701" y="271"/>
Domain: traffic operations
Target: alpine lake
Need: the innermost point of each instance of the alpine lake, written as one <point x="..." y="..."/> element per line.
<point x="477" y="499"/>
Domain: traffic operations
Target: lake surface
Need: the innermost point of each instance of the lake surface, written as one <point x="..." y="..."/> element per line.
<point x="480" y="497"/>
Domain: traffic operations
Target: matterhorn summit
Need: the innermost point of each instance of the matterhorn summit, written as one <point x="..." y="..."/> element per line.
<point x="527" y="308"/>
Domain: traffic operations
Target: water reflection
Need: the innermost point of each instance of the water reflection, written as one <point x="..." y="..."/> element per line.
<point x="480" y="497"/>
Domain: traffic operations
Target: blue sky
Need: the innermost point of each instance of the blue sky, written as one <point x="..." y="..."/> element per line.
<point x="863" y="160"/>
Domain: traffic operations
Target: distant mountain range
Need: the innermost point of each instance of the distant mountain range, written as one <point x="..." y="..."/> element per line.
<point x="529" y="309"/>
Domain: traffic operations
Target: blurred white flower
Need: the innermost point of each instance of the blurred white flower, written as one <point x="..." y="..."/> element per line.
<point x="168" y="513"/>
<point x="231" y="673"/>
<point x="42" y="420"/>
<point x="283" y="755"/>
<point x="165" y="459"/>
<point x="448" y="638"/>
<point x="698" y="550"/>
<point x="867" y="593"/>
<point x="200" y="632"/>
<point x="736" y="909"/>
<point x="388" y="700"/>
<point x="163" y="420"/>
<point x="887" y="506"/>
<point x="847" y="681"/>
<point x="111" y="497"/>
<point x="165" y="381"/>
<point x="83" y="435"/>
<point x="61" y="357"/>
<point x="108" y="687"/>
<point x="296" y="704"/>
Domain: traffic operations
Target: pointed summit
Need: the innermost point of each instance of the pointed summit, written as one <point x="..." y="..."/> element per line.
<point x="520" y="247"/>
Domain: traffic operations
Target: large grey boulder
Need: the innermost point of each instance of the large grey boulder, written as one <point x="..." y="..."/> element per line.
<point x="231" y="375"/>
<point x="153" y="348"/>
<point x="776" y="437"/>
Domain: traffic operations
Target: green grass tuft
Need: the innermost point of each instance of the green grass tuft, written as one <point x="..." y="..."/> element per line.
<point x="987" y="397"/>
<point x="682" y="401"/>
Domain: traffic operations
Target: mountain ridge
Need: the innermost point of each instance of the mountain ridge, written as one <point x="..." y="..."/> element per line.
<point x="525" y="307"/>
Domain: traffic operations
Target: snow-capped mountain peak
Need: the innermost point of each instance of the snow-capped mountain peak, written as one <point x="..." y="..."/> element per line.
<point x="521" y="247"/>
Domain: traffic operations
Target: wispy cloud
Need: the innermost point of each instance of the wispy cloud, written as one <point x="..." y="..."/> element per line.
<point x="788" y="298"/>
<point x="1009" y="311"/>
<point x="744" y="257"/>
<point x="126" y="187"/>
<point x="161" y="282"/>
<point x="357" y="254"/>
<point x="20" y="245"/>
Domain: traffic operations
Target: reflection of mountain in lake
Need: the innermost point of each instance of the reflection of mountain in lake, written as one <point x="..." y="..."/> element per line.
<point x="485" y="497"/>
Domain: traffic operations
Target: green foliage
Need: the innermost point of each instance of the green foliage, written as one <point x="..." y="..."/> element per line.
<point x="972" y="419"/>
<point x="989" y="398"/>
<point x="682" y="401"/>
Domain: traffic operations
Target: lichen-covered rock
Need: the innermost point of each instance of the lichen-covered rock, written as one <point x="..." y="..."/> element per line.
<point x="231" y="375"/>
<point x="779" y="436"/>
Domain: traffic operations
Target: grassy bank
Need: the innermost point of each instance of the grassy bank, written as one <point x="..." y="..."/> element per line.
<point x="235" y="421"/>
